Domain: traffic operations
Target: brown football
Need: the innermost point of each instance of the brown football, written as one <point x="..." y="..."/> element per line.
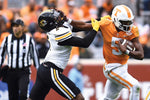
<point x="129" y="44"/>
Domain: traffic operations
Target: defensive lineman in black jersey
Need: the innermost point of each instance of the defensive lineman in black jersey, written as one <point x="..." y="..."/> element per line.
<point x="59" y="33"/>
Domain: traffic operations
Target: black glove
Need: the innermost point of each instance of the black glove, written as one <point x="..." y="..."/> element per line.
<point x="3" y="72"/>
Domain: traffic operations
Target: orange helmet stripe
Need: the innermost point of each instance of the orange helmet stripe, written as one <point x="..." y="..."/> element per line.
<point x="128" y="12"/>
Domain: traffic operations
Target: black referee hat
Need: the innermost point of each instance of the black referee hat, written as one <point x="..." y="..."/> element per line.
<point x="17" y="22"/>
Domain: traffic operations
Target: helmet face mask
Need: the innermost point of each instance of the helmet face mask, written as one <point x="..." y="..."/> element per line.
<point x="126" y="25"/>
<point x="50" y="19"/>
<point x="123" y="17"/>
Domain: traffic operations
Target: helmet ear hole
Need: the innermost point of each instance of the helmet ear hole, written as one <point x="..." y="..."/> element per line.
<point x="114" y="20"/>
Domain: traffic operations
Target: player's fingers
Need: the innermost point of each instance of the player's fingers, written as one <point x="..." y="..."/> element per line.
<point x="92" y="20"/>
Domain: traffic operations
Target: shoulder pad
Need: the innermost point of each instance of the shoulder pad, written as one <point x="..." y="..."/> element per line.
<point x="62" y="34"/>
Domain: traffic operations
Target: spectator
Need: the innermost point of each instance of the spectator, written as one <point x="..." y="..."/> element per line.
<point x="37" y="37"/>
<point x="51" y="4"/>
<point x="65" y="7"/>
<point x="106" y="6"/>
<point x="72" y="11"/>
<point x="43" y="46"/>
<point x="146" y="4"/>
<point x="76" y="76"/>
<point x="29" y="13"/>
<point x="7" y="14"/>
<point x="75" y="54"/>
<point x="146" y="47"/>
<point x="89" y="10"/>
<point x="3" y="29"/>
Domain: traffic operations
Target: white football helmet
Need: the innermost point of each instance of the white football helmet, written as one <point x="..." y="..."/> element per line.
<point x="122" y="17"/>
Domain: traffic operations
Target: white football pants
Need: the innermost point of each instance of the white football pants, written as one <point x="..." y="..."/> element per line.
<point x="117" y="79"/>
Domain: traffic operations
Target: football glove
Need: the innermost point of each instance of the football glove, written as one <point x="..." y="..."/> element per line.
<point x="95" y="24"/>
<point x="3" y="71"/>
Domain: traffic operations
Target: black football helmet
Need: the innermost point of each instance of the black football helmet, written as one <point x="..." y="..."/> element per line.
<point x="50" y="19"/>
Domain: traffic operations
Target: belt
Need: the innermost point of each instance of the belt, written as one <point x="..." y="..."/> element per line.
<point x="51" y="65"/>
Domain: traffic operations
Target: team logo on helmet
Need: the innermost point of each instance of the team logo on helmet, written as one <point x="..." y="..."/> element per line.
<point x="43" y="23"/>
<point x="50" y="19"/>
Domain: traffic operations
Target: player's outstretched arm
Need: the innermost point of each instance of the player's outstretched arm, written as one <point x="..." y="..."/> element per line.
<point x="83" y="42"/>
<point x="77" y="25"/>
<point x="80" y="25"/>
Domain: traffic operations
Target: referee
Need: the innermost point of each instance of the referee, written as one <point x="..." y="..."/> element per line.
<point x="20" y="48"/>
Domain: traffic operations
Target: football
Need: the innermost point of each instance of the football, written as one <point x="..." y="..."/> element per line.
<point x="129" y="44"/>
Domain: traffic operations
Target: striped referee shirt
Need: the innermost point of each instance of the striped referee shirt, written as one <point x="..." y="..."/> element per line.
<point x="19" y="51"/>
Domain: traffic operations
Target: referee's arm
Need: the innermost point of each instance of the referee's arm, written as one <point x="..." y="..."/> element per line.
<point x="34" y="54"/>
<point x="3" y="51"/>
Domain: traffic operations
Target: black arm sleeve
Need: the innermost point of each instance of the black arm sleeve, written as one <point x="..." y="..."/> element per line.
<point x="80" y="42"/>
<point x="76" y="30"/>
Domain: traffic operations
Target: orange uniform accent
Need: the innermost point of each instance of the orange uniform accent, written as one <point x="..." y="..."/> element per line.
<point x="3" y="35"/>
<point x="110" y="37"/>
<point x="118" y="76"/>
<point x="127" y="10"/>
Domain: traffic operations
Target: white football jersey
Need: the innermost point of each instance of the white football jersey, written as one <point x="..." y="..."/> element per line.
<point x="59" y="55"/>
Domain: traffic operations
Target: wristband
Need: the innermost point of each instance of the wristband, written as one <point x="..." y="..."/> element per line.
<point x="127" y="52"/>
<point x="69" y="20"/>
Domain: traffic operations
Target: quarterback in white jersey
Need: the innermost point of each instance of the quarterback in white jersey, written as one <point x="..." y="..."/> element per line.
<point x="49" y="74"/>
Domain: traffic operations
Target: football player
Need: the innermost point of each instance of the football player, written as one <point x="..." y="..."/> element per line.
<point x="120" y="26"/>
<point x="49" y="74"/>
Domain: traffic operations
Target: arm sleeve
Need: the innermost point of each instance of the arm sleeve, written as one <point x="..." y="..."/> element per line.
<point x="34" y="54"/>
<point x="80" y="42"/>
<point x="3" y="51"/>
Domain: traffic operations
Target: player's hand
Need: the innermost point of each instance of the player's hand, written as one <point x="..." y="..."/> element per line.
<point x="63" y="15"/>
<point x="122" y="47"/>
<point x="95" y="24"/>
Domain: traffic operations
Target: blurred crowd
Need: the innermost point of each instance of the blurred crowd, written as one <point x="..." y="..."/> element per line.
<point x="75" y="9"/>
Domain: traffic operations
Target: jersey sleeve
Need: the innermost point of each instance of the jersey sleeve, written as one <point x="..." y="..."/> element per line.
<point x="63" y="34"/>
<point x="135" y="33"/>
